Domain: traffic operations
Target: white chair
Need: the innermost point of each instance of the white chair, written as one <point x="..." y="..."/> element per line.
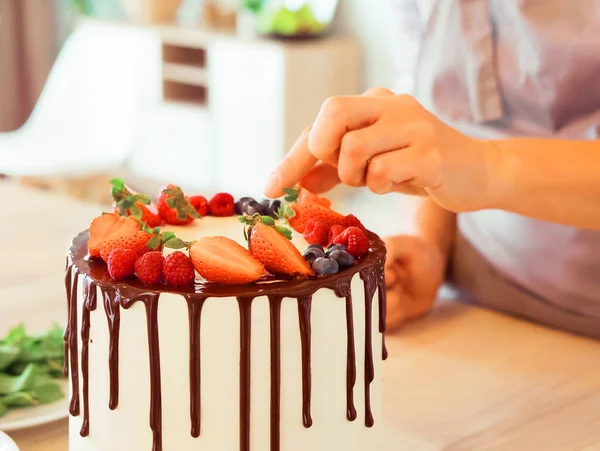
<point x="85" y="120"/>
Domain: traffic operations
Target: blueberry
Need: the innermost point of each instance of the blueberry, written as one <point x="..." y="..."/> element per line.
<point x="311" y="246"/>
<point x="273" y="207"/>
<point x="312" y="253"/>
<point x="240" y="205"/>
<point x="344" y="259"/>
<point x="253" y="207"/>
<point x="335" y="247"/>
<point x="325" y="265"/>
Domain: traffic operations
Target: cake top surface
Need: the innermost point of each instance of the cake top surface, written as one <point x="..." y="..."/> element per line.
<point x="223" y="247"/>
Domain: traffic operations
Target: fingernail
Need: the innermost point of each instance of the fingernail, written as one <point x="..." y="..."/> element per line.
<point x="272" y="186"/>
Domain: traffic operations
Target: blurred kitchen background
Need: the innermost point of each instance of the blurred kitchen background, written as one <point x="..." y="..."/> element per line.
<point x="208" y="94"/>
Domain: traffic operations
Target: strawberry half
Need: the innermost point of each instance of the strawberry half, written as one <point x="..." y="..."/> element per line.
<point x="276" y="252"/>
<point x="221" y="260"/>
<point x="304" y="196"/>
<point x="137" y="242"/>
<point x="109" y="226"/>
<point x="304" y="212"/>
<point x="127" y="202"/>
<point x="174" y="206"/>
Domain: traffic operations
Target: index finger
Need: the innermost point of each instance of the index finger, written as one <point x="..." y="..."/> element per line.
<point x="296" y="164"/>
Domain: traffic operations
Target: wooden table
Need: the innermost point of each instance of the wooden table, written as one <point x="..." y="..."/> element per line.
<point x="461" y="379"/>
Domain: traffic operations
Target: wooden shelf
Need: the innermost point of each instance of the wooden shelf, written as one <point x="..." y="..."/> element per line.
<point x="189" y="75"/>
<point x="184" y="93"/>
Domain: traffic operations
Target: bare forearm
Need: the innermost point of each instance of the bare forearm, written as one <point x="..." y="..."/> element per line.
<point x="551" y="180"/>
<point x="436" y="225"/>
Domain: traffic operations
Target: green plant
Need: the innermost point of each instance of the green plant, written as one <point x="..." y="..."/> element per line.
<point x="253" y="5"/>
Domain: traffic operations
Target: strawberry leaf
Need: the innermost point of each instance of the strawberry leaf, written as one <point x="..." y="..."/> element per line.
<point x="171" y="202"/>
<point x="166" y="236"/>
<point x="176" y="192"/>
<point x="242" y="219"/>
<point x="182" y="215"/>
<point x="135" y="211"/>
<point x="267" y="220"/>
<point x="291" y="194"/>
<point x="193" y="213"/>
<point x="154" y="242"/>
<point x="177" y="243"/>
<point x="245" y="234"/>
<point x="284" y="231"/>
<point x="143" y="199"/>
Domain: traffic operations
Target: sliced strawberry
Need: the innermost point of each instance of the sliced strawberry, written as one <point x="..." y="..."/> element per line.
<point x="137" y="242"/>
<point x="174" y="206"/>
<point x="221" y="260"/>
<point x="109" y="226"/>
<point x="304" y="212"/>
<point x="276" y="252"/>
<point x="128" y="202"/>
<point x="307" y="197"/>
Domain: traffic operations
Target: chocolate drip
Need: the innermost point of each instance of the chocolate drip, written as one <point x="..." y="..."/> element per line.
<point x="124" y="295"/>
<point x="89" y="305"/>
<point x="111" y="298"/>
<point x="68" y="277"/>
<point x="150" y="301"/>
<point x="344" y="291"/>
<point x="73" y="349"/>
<point x="382" y="294"/>
<point x="195" y="319"/>
<point x="275" y="310"/>
<point x="370" y="283"/>
<point x="245" y="305"/>
<point x="304" y="309"/>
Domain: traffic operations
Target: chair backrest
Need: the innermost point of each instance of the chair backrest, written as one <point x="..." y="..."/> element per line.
<point x="93" y="94"/>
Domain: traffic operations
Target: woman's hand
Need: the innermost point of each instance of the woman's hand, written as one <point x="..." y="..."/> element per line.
<point x="388" y="143"/>
<point x="414" y="272"/>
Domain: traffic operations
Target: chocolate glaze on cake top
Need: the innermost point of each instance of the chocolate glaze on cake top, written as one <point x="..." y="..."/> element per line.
<point x="116" y="296"/>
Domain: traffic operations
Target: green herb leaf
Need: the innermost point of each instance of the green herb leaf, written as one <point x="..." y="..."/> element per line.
<point x="19" y="399"/>
<point x="291" y="194"/>
<point x="284" y="231"/>
<point x="8" y="355"/>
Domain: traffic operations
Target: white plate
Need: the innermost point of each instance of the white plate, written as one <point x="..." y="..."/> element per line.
<point x="34" y="416"/>
<point x="6" y="443"/>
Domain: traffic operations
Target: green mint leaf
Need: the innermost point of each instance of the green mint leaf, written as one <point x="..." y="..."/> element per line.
<point x="19" y="399"/>
<point x="8" y="355"/>
<point x="176" y="243"/>
<point x="284" y="231"/>
<point x="154" y="242"/>
<point x="291" y="194"/>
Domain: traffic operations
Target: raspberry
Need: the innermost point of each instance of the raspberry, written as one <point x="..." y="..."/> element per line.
<point x="334" y="231"/>
<point x="353" y="221"/>
<point x="355" y="240"/>
<point x="149" y="267"/>
<point x="178" y="269"/>
<point x="222" y="204"/>
<point x="200" y="204"/>
<point x="315" y="232"/>
<point x="121" y="263"/>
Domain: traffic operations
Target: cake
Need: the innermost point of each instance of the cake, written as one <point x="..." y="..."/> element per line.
<point x="277" y="364"/>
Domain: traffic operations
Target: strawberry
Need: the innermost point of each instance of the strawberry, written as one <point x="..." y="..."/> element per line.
<point x="174" y="206"/>
<point x="121" y="263"/>
<point x="355" y="240"/>
<point x="200" y="204"/>
<point x="109" y="226"/>
<point x="222" y="204"/>
<point x="315" y="232"/>
<point x="129" y="203"/>
<point x="353" y="221"/>
<point x="334" y="231"/>
<point x="304" y="196"/>
<point x="149" y="267"/>
<point x="276" y="252"/>
<point x="304" y="212"/>
<point x="178" y="269"/>
<point x="137" y="242"/>
<point x="221" y="260"/>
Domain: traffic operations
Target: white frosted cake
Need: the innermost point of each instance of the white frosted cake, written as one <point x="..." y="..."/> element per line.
<point x="278" y="364"/>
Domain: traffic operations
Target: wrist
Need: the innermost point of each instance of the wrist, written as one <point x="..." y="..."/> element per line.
<point x="499" y="167"/>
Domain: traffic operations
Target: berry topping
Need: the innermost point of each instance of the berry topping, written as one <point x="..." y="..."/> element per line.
<point x="344" y="259"/>
<point x="303" y="212"/>
<point x="272" y="246"/>
<point x="312" y="253"/>
<point x="325" y="265"/>
<point x="222" y="204"/>
<point x="137" y="242"/>
<point x="240" y="205"/>
<point x="335" y="247"/>
<point x="315" y="232"/>
<point x="273" y="207"/>
<point x="200" y="204"/>
<point x="353" y="221"/>
<point x="121" y="263"/>
<point x="149" y="267"/>
<point x="174" y="206"/>
<point x="302" y="195"/>
<point x="178" y="269"/>
<point x="129" y="203"/>
<point x="355" y="240"/>
<point x="334" y="231"/>
<point x="109" y="226"/>
<point x="253" y="207"/>
<point x="222" y="260"/>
